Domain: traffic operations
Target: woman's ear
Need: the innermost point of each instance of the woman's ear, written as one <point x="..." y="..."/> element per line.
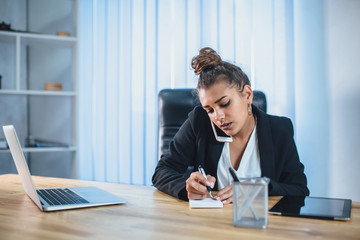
<point x="248" y="93"/>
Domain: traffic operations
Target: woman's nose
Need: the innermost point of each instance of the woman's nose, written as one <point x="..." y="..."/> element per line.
<point x="219" y="115"/>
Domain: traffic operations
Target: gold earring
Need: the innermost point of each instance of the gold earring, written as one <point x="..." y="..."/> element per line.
<point x="249" y="109"/>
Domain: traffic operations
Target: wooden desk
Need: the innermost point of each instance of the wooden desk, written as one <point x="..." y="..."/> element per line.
<point x="149" y="214"/>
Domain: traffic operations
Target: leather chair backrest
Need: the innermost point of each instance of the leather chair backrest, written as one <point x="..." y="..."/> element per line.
<point x="174" y="107"/>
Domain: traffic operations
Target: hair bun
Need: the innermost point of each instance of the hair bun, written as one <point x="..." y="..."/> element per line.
<point x="207" y="59"/>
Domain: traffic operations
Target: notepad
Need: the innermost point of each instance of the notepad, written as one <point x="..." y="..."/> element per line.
<point x="205" y="203"/>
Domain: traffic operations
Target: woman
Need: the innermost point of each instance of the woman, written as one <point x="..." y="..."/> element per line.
<point x="262" y="145"/>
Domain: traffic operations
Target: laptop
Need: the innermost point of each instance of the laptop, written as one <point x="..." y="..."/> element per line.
<point x="313" y="207"/>
<point x="54" y="199"/>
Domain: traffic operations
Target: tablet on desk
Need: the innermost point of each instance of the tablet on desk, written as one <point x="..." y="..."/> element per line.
<point x="313" y="207"/>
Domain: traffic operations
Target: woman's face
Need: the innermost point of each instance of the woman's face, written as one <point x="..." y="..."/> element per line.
<point x="226" y="106"/>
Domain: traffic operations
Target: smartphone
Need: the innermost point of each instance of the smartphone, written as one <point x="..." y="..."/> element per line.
<point x="220" y="136"/>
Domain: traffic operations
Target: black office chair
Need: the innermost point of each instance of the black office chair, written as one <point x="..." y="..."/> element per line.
<point x="174" y="107"/>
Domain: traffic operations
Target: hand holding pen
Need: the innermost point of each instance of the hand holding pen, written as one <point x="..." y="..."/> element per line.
<point x="202" y="171"/>
<point x="198" y="185"/>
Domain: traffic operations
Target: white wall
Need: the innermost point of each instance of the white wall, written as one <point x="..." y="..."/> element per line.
<point x="327" y="89"/>
<point x="8" y="114"/>
<point x="343" y="74"/>
<point x="311" y="94"/>
<point x="295" y="51"/>
<point x="129" y="51"/>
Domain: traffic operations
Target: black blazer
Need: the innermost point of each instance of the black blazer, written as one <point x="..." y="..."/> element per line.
<point x="194" y="144"/>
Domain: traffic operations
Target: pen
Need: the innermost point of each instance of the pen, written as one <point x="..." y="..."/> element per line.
<point x="202" y="171"/>
<point x="233" y="175"/>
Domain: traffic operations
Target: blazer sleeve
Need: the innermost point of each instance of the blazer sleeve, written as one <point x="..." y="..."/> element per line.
<point x="171" y="171"/>
<point x="291" y="178"/>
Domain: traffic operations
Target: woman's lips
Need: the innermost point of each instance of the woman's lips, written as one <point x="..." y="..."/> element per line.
<point x="225" y="126"/>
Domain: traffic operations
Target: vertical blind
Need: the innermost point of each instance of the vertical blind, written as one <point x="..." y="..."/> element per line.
<point x="131" y="49"/>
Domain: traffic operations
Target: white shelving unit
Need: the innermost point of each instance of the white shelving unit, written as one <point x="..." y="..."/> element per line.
<point x="33" y="56"/>
<point x="39" y="93"/>
<point x="49" y="149"/>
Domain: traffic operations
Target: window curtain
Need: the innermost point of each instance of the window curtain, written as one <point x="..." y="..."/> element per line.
<point x="131" y="49"/>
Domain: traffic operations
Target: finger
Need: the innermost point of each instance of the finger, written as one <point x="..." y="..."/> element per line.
<point x="198" y="177"/>
<point x="201" y="178"/>
<point x="212" y="180"/>
<point x="195" y="187"/>
<point x="226" y="196"/>
<point x="224" y="193"/>
<point x="228" y="201"/>
<point x="195" y="196"/>
<point x="225" y="189"/>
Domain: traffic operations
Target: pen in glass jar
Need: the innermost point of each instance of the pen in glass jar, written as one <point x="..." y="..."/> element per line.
<point x="202" y="171"/>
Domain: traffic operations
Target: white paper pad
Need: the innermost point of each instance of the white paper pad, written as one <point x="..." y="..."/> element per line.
<point x="205" y="203"/>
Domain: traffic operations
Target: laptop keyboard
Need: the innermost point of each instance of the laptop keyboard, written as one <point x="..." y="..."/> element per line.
<point x="60" y="196"/>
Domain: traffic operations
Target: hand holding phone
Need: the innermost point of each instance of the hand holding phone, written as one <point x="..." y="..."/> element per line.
<point x="220" y="136"/>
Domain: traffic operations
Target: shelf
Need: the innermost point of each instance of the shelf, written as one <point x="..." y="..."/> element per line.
<point x="37" y="92"/>
<point x="29" y="59"/>
<point x="40" y="39"/>
<point x="44" y="149"/>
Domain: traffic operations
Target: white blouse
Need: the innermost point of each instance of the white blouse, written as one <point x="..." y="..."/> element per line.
<point x="249" y="164"/>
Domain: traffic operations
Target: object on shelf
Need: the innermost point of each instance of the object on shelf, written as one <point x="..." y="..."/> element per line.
<point x="3" y="144"/>
<point x="53" y="86"/>
<point x="63" y="33"/>
<point x="5" y="27"/>
<point x="31" y="141"/>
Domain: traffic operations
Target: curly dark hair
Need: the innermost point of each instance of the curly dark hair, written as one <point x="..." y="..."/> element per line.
<point x="211" y="68"/>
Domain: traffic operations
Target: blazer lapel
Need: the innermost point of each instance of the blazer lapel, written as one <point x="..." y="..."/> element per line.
<point x="265" y="144"/>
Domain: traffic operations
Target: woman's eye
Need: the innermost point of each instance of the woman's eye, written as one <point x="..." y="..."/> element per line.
<point x="226" y="104"/>
<point x="210" y="111"/>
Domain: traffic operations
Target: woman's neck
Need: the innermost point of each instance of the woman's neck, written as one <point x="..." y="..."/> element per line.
<point x="240" y="141"/>
<point x="245" y="133"/>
